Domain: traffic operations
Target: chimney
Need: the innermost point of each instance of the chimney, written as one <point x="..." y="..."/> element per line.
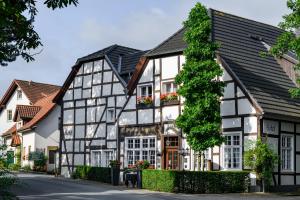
<point x="120" y="63"/>
<point x="29" y="83"/>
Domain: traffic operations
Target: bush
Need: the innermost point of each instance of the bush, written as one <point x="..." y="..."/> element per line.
<point x="14" y="167"/>
<point x="7" y="180"/>
<point x="196" y="182"/>
<point x="26" y="168"/>
<point x="101" y="174"/>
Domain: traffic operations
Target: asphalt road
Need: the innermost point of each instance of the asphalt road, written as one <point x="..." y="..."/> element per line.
<point x="42" y="187"/>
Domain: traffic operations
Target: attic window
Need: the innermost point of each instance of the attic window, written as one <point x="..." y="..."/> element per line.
<point x="9" y="115"/>
<point x="19" y="94"/>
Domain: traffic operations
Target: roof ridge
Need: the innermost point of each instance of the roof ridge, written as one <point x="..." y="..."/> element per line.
<point x="50" y="84"/>
<point x="165" y="41"/>
<point x="244" y="18"/>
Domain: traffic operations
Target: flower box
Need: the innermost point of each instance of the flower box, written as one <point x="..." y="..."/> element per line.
<point x="144" y="102"/>
<point x="169" y="99"/>
<point x="170" y="102"/>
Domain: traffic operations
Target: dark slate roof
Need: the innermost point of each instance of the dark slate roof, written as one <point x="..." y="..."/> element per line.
<point x="241" y="43"/>
<point x="130" y="57"/>
<point x="173" y="44"/>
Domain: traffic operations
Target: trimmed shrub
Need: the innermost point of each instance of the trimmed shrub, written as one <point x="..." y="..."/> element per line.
<point x="196" y="182"/>
<point x="101" y="174"/>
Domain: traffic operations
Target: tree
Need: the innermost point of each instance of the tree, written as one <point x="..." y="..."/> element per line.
<point x="199" y="85"/>
<point x="17" y="34"/>
<point x="288" y="40"/>
<point x="262" y="159"/>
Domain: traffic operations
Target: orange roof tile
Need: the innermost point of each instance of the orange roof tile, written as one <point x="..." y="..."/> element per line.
<point x="26" y="111"/>
<point x="46" y="104"/>
<point x="10" y="131"/>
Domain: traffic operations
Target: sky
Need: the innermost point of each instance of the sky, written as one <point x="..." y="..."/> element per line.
<point x="74" y="32"/>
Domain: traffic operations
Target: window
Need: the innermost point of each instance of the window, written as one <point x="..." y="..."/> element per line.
<point x="169" y="87"/>
<point x="110" y="116"/>
<point x="286" y="153"/>
<point x="19" y="94"/>
<point x="140" y="149"/>
<point x="9" y="115"/>
<point x="232" y="151"/>
<point x="96" y="158"/>
<point x="146" y="91"/>
<point x="101" y="158"/>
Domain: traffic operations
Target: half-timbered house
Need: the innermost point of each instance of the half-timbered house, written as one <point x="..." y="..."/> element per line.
<point x="92" y="99"/>
<point x="256" y="102"/>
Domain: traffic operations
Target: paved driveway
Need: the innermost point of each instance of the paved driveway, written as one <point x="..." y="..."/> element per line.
<point x="48" y="187"/>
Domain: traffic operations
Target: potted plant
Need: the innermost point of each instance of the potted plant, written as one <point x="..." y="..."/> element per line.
<point x="115" y="171"/>
<point x="169" y="98"/>
<point x="141" y="165"/>
<point x="145" y="101"/>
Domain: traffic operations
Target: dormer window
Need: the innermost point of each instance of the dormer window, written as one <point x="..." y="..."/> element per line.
<point x="19" y="94"/>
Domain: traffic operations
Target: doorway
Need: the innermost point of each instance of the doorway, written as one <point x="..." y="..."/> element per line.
<point x="171" y="153"/>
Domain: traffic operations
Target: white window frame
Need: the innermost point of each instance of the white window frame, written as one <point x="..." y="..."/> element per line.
<point x="172" y="82"/>
<point x="113" y="115"/>
<point x="19" y="94"/>
<point x="287" y="148"/>
<point x="145" y="85"/>
<point x="140" y="149"/>
<point x="7" y="115"/>
<point x="104" y="162"/>
<point x="19" y="124"/>
<point x="232" y="134"/>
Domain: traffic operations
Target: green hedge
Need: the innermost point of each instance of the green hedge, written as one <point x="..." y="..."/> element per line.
<point x="102" y="174"/>
<point x="196" y="182"/>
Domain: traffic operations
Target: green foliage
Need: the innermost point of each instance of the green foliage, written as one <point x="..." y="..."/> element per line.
<point x="262" y="159"/>
<point x="200" y="120"/>
<point x="7" y="180"/>
<point x="39" y="161"/>
<point x="14" y="167"/>
<point x="17" y="34"/>
<point x="26" y="168"/>
<point x="288" y="41"/>
<point x="101" y="174"/>
<point x="196" y="181"/>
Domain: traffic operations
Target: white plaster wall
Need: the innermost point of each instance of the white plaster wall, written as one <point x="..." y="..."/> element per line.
<point x="231" y="123"/>
<point x="68" y="95"/>
<point x="111" y="102"/>
<point x="250" y="124"/>
<point x="91" y="114"/>
<point x="127" y="118"/>
<point x="87" y="81"/>
<point x="148" y="73"/>
<point x="98" y="65"/>
<point x="120" y="101"/>
<point x="87" y="67"/>
<point x="298" y="143"/>
<point x="297" y="163"/>
<point x="79" y="131"/>
<point x="239" y="92"/>
<point x="225" y="76"/>
<point x="106" y="90"/>
<point x="79" y="116"/>
<point x="97" y="78"/>
<point x="11" y="105"/>
<point x="77" y="93"/>
<point x="28" y="139"/>
<point x="169" y="67"/>
<point x="118" y="88"/>
<point x="245" y="107"/>
<point x="227" y="108"/>
<point x="107" y="77"/>
<point x="157" y="66"/>
<point x="96" y="91"/>
<point x="287" y="180"/>
<point x="47" y="131"/>
<point x="145" y="116"/>
<point x="131" y="103"/>
<point x="111" y="132"/>
<point x="170" y="113"/>
<point x="68" y="116"/>
<point x="228" y="91"/>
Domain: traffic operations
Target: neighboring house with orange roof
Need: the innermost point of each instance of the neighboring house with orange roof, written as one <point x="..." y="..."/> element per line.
<point x="29" y="120"/>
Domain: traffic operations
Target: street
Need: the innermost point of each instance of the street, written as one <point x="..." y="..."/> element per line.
<point x="35" y="186"/>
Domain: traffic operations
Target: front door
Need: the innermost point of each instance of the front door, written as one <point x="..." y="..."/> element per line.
<point x="10" y="157"/>
<point x="172" y="159"/>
